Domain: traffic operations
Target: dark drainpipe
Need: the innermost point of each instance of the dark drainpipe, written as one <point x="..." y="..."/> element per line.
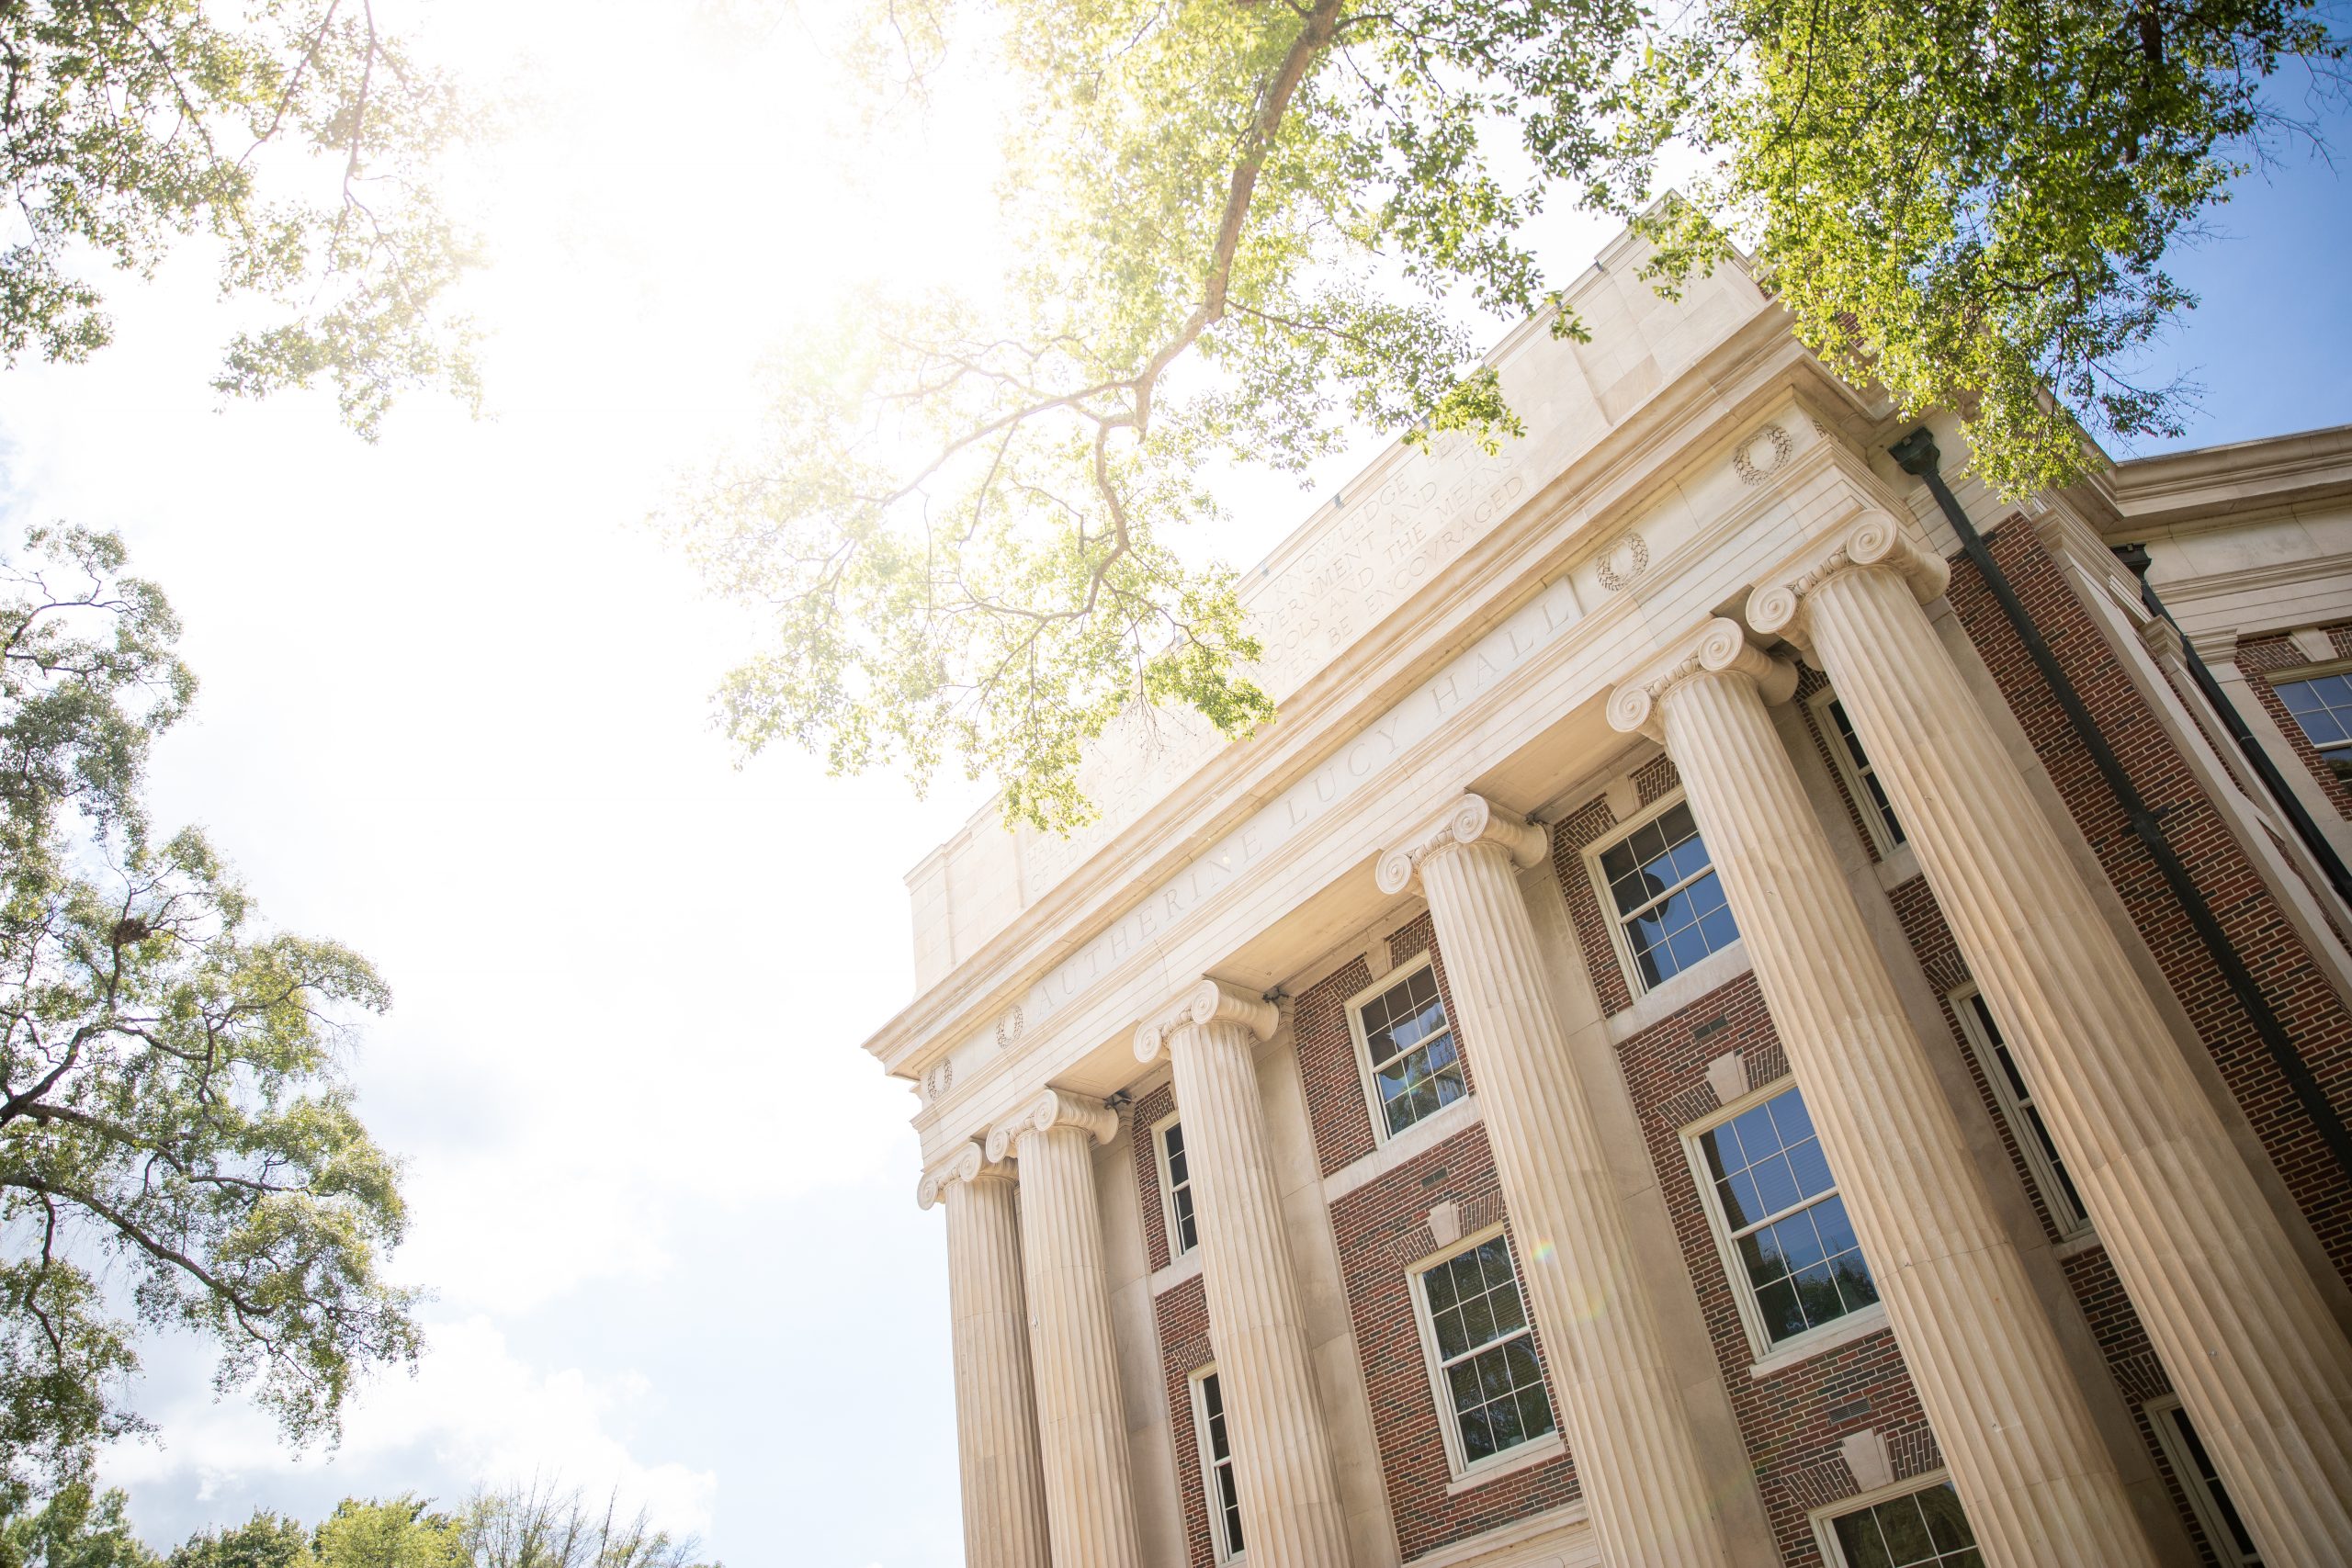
<point x="2258" y="756"/>
<point x="1918" y="455"/>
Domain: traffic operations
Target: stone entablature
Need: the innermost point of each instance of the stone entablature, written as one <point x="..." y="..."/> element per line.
<point x="1388" y="532"/>
<point x="1302" y="819"/>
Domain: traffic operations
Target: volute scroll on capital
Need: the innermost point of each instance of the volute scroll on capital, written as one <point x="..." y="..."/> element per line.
<point x="1206" y="1003"/>
<point x="1779" y="604"/>
<point x="1471" y="820"/>
<point x="1053" y="1108"/>
<point x="968" y="1163"/>
<point x="1718" y="647"/>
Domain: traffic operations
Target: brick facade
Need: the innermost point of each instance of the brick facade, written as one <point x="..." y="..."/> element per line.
<point x="1793" y="1420"/>
<point x="2241" y="901"/>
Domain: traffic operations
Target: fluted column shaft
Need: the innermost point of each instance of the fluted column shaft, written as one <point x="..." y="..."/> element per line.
<point x="2253" y="1352"/>
<point x="1651" y="1503"/>
<point x="1082" y="1419"/>
<point x="1291" y="1512"/>
<point x="996" y="1412"/>
<point x="2038" y="1485"/>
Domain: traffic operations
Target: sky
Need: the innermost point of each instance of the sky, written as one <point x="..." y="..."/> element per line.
<point x="456" y="713"/>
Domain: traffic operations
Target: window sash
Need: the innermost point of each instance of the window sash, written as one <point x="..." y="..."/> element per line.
<point x="1861" y="775"/>
<point x="2208" y="1499"/>
<point x="1176" y="1177"/>
<point x="1652" y="958"/>
<point x="1446" y="1082"/>
<point x="1703" y="1144"/>
<point x="1939" y="1536"/>
<point x="1531" y="1426"/>
<point x="2025" y="1124"/>
<point x="1218" y="1493"/>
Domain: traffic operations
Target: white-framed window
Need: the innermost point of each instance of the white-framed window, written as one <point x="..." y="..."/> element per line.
<point x="1667" y="908"/>
<point x="2207" y="1497"/>
<point x="1854" y="767"/>
<point x="2322" y="705"/>
<point x="1489" y="1385"/>
<point x="1216" y="1466"/>
<point x="1773" y="1200"/>
<point x="1404" y="1048"/>
<point x="2024" y="1117"/>
<point x="1175" y="1187"/>
<point x="1899" y="1526"/>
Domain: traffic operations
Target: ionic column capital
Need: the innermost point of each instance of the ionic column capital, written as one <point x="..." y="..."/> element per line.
<point x="1052" y="1108"/>
<point x="1718" y="647"/>
<point x="1472" y="819"/>
<point x="1779" y="604"/>
<point x="968" y="1163"/>
<point x="1205" y="1003"/>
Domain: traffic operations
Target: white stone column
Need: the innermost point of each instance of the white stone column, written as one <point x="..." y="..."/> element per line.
<point x="1290" y="1513"/>
<point x="2263" y="1369"/>
<point x="2038" y="1485"/>
<point x="996" y="1412"/>
<point x="1652" y="1504"/>
<point x="1081" y="1421"/>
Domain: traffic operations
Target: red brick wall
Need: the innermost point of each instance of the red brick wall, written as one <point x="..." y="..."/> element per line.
<point x="1380" y="1228"/>
<point x="1180" y="1315"/>
<point x="1337" y="1108"/>
<point x="2260" y="658"/>
<point x="1383" y="1227"/>
<point x="1794" y="1420"/>
<point x="2320" y="1028"/>
<point x="1587" y="825"/>
<point x="1810" y="681"/>
<point x="1146" y="1114"/>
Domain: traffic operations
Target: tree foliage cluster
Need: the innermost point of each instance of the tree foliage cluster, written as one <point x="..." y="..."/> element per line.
<point x="298" y="136"/>
<point x="178" y="1145"/>
<point x="533" y="1527"/>
<point x="1245" y="228"/>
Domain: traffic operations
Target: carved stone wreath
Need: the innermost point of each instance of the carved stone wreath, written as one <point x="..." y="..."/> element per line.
<point x="940" y="1079"/>
<point x="1636" y="553"/>
<point x="1008" y="1027"/>
<point x="1745" y="466"/>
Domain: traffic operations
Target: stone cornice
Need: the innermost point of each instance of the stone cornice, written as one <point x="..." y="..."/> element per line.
<point x="1777" y="607"/>
<point x="1469" y="820"/>
<point x="1050" y="1110"/>
<point x="2219" y="485"/>
<point x="968" y="1163"/>
<point x="1206" y="1003"/>
<point x="1717" y="647"/>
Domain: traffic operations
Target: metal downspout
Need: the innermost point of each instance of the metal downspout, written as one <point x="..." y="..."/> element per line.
<point x="1918" y="455"/>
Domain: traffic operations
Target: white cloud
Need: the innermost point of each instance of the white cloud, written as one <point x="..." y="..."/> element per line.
<point x="474" y="1407"/>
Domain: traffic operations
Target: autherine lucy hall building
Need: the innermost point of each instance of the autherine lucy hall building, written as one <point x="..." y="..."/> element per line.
<point x="1758" y="1006"/>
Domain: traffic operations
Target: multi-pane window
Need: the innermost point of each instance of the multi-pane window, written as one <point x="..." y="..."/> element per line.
<point x="2016" y="1101"/>
<point x="1487" y="1367"/>
<point x="2322" y="705"/>
<point x="1176" y="1177"/>
<point x="1216" y="1467"/>
<point x="1669" y="903"/>
<point x="1408" y="1045"/>
<point x="1861" y="777"/>
<point x="1924" y="1528"/>
<point x="1783" y="1222"/>
<point x="2207" y="1495"/>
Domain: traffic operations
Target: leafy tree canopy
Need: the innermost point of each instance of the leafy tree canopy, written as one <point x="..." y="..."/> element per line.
<point x="1245" y="225"/>
<point x="295" y="133"/>
<point x="178" y="1146"/>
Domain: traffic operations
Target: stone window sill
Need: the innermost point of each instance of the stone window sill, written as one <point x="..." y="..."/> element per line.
<point x="1166" y="1280"/>
<point x="1541" y="1450"/>
<point x="1409" y="1145"/>
<point x="1814" y="1342"/>
<point x="1712" y="972"/>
